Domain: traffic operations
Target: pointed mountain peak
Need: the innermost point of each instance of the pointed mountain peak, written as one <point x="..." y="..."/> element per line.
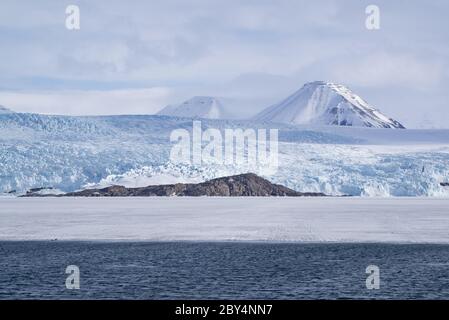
<point x="326" y="103"/>
<point x="197" y="107"/>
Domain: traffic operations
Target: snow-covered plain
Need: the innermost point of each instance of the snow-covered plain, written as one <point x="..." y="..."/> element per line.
<point x="402" y="220"/>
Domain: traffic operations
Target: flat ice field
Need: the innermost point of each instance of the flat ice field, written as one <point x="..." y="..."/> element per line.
<point x="414" y="220"/>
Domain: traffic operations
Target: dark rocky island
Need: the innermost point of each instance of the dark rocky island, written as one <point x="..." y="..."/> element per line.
<point x="241" y="185"/>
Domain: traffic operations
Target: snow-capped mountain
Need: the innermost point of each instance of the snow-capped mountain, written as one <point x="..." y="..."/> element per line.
<point x="197" y="107"/>
<point x="4" y="110"/>
<point x="325" y="103"/>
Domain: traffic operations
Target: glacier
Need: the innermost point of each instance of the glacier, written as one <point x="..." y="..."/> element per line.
<point x="69" y="153"/>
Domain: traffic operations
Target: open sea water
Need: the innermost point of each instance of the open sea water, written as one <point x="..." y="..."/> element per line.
<point x="222" y="270"/>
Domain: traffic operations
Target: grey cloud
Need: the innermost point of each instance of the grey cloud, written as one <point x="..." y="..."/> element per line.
<point x="255" y="51"/>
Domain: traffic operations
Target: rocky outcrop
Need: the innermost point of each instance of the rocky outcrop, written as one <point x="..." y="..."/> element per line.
<point x="241" y="185"/>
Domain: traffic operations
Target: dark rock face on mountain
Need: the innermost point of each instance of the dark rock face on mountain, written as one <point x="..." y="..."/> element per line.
<point x="444" y="184"/>
<point x="235" y="186"/>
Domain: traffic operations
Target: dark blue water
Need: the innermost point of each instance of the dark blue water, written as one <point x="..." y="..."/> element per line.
<point x="30" y="270"/>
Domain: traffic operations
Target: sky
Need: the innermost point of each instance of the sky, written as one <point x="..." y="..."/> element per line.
<point x="135" y="57"/>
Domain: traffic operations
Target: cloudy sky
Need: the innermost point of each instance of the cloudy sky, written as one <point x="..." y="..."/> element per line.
<point x="138" y="56"/>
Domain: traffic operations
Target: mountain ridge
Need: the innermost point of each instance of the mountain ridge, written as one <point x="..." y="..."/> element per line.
<point x="4" y="110"/>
